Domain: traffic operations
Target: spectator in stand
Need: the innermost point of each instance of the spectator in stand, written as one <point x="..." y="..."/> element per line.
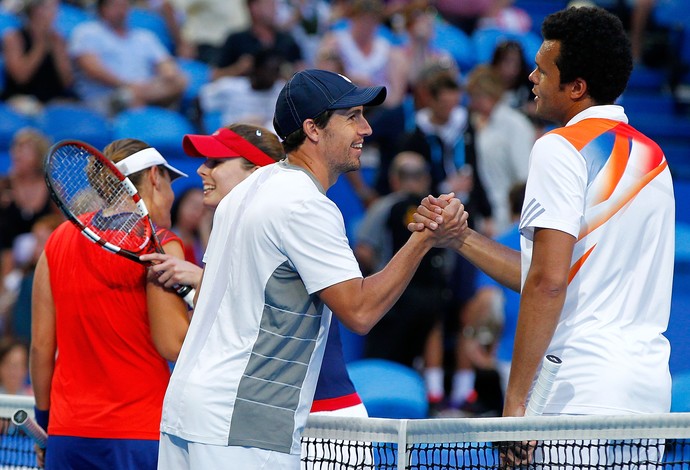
<point x="412" y="329"/>
<point x="173" y="18"/>
<point x="235" y="57"/>
<point x="207" y="23"/>
<point x="464" y="14"/>
<point x="509" y="61"/>
<point x="492" y="297"/>
<point x="393" y="125"/>
<point x="308" y="21"/>
<point x="369" y="58"/>
<point x="445" y="137"/>
<point x="27" y="249"/>
<point x="636" y="16"/>
<point x="192" y="223"/>
<point x="503" y="15"/>
<point x="37" y="67"/>
<point x="121" y="67"/>
<point x="420" y="29"/>
<point x="249" y="99"/>
<point x="24" y="196"/>
<point x="14" y="367"/>
<point x="503" y="141"/>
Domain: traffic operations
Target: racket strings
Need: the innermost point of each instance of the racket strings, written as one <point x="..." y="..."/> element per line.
<point x="94" y="194"/>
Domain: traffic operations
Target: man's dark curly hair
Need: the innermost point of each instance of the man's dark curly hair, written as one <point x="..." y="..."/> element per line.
<point x="594" y="47"/>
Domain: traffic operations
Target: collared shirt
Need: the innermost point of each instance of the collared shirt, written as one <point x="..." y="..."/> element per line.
<point x="609" y="186"/>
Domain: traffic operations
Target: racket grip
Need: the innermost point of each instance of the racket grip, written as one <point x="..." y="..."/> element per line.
<point x="26" y="423"/>
<point x="542" y="388"/>
<point x="187" y="293"/>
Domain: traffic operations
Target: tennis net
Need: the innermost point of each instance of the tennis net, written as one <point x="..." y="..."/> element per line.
<point x="561" y="442"/>
<point x="16" y="449"/>
<point x="558" y="442"/>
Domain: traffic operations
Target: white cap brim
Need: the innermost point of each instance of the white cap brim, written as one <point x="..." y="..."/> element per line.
<point x="144" y="159"/>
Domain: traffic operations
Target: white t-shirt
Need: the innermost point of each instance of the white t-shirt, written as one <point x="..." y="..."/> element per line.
<point x="132" y="57"/>
<point x="235" y="98"/>
<point x="603" y="182"/>
<point x="503" y="150"/>
<point x="248" y="368"/>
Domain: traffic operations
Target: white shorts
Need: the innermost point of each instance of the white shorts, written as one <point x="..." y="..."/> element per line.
<point x="178" y="454"/>
<point x="322" y="454"/>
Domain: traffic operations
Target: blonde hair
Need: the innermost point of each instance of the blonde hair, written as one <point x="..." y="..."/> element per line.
<point x="486" y="80"/>
<point x="38" y="139"/>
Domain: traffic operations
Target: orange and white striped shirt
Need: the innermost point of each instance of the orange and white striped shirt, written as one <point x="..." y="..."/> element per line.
<point x="609" y="186"/>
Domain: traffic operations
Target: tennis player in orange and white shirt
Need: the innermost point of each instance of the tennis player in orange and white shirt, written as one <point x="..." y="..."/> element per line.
<point x="596" y="262"/>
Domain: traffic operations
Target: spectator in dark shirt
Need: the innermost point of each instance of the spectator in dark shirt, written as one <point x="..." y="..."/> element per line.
<point x="235" y="56"/>
<point x="37" y="66"/>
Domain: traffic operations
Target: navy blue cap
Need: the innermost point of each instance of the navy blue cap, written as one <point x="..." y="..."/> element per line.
<point x="311" y="92"/>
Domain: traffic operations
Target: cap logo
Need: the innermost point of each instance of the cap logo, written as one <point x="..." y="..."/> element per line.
<point x="344" y="78"/>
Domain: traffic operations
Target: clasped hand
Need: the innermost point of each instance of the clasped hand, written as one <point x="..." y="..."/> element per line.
<point x="445" y="216"/>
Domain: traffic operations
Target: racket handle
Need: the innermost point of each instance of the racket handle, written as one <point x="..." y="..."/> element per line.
<point x="26" y="423"/>
<point x="187" y="293"/>
<point x="542" y="389"/>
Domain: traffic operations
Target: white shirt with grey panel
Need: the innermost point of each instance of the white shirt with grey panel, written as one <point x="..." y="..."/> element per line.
<point x="248" y="368"/>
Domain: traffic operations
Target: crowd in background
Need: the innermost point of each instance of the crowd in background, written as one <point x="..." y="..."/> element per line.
<point x="452" y="121"/>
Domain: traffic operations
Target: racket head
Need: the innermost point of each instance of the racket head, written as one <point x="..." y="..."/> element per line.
<point x="99" y="199"/>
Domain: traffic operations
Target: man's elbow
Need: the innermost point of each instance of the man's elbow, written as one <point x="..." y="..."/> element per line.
<point x="551" y="286"/>
<point x="360" y="324"/>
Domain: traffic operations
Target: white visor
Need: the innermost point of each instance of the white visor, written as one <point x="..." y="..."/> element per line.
<point x="144" y="159"/>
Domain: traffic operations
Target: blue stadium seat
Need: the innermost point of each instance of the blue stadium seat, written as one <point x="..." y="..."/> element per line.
<point x="198" y="74"/>
<point x="8" y="21"/>
<point x="68" y="17"/>
<point x="646" y="79"/>
<point x="147" y="19"/>
<point x="10" y="122"/>
<point x="663" y="126"/>
<point x="389" y="389"/>
<point x="211" y="120"/>
<point x="74" y="121"/>
<point x="647" y="102"/>
<point x="672" y="13"/>
<point x="680" y="395"/>
<point x="159" y="127"/>
<point x="540" y="9"/>
<point x="457" y="43"/>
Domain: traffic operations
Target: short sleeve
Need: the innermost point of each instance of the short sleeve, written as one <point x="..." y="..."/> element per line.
<point x="85" y="39"/>
<point x="555" y="191"/>
<point x="314" y="241"/>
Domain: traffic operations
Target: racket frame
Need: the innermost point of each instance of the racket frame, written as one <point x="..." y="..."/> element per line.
<point x="186" y="292"/>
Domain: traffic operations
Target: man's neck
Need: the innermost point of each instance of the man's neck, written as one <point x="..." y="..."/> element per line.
<point x="304" y="159"/>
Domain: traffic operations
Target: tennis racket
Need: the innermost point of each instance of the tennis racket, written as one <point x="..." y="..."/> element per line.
<point x="520" y="454"/>
<point x="542" y="388"/>
<point x="102" y="202"/>
<point x="26" y="423"/>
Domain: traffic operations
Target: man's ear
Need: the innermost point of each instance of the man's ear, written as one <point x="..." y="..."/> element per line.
<point x="578" y="89"/>
<point x="311" y="130"/>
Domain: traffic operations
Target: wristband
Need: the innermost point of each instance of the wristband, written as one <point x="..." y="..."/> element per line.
<point x="42" y="417"/>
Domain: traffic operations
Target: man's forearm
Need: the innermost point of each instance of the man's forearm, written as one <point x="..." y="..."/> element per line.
<point x="540" y="309"/>
<point x="496" y="260"/>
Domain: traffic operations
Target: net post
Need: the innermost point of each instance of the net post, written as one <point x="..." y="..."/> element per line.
<point x="402" y="445"/>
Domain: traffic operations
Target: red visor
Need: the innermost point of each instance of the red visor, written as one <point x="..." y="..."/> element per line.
<point x="224" y="143"/>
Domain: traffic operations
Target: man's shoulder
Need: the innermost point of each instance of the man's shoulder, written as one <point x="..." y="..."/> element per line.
<point x="92" y="28"/>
